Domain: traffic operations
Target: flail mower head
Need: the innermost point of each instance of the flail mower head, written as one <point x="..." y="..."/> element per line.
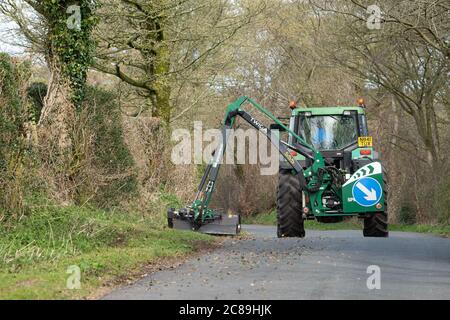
<point x="209" y="222"/>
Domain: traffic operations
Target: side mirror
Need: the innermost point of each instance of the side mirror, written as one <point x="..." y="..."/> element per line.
<point x="276" y="126"/>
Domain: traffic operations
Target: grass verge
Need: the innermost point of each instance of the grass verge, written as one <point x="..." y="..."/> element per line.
<point x="270" y="218"/>
<point x="36" y="254"/>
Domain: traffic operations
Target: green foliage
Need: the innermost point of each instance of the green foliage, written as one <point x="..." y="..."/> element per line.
<point x="200" y="170"/>
<point x="11" y="115"/>
<point x="442" y="201"/>
<point x="268" y="218"/>
<point x="50" y="232"/>
<point x="111" y="155"/>
<point x="36" y="93"/>
<point x="170" y="200"/>
<point x="13" y="75"/>
<point x="72" y="48"/>
<point x="406" y="214"/>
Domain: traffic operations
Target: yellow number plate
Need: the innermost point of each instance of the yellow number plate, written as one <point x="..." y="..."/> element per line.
<point x="364" y="142"/>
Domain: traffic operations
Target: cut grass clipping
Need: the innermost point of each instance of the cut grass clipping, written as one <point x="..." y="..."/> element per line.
<point x="270" y="218"/>
<point x="41" y="255"/>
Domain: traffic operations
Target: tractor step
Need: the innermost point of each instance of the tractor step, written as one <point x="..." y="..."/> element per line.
<point x="222" y="224"/>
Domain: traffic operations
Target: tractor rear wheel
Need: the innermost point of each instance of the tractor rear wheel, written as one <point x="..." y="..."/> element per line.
<point x="289" y="206"/>
<point x="376" y="225"/>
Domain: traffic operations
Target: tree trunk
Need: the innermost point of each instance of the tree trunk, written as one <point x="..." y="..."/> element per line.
<point x="58" y="111"/>
<point x="55" y="135"/>
<point x="161" y="85"/>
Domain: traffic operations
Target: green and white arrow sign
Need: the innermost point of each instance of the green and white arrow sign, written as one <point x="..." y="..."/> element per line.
<point x="366" y="171"/>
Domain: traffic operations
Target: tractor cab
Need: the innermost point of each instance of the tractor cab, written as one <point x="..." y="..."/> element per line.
<point x="339" y="133"/>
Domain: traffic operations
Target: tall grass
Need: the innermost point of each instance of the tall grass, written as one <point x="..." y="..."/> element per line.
<point x="50" y="231"/>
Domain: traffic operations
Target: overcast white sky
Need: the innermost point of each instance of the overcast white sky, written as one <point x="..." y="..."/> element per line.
<point x="6" y="39"/>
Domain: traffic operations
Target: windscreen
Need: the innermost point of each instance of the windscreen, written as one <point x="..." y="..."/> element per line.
<point x="333" y="132"/>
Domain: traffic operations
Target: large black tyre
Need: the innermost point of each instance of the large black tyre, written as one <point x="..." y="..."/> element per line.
<point x="376" y="225"/>
<point x="289" y="206"/>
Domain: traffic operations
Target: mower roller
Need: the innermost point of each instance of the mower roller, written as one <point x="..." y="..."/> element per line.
<point x="328" y="171"/>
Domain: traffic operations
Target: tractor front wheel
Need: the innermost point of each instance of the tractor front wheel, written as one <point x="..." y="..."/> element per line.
<point x="376" y="225"/>
<point x="289" y="206"/>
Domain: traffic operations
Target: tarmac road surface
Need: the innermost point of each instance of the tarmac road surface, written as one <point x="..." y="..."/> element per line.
<point x="324" y="265"/>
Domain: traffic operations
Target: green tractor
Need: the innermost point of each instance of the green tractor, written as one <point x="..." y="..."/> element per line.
<point x="328" y="171"/>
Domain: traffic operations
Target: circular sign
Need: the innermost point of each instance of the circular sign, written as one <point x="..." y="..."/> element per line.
<point x="367" y="192"/>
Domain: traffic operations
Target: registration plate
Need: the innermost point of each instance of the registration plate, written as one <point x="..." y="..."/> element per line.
<point x="364" y="142"/>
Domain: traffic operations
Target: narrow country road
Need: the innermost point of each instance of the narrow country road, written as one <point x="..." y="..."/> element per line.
<point x="324" y="265"/>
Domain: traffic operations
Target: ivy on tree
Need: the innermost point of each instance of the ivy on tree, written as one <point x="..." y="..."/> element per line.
<point x="72" y="46"/>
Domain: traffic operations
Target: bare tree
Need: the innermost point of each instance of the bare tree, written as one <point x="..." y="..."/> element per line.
<point x="407" y="65"/>
<point x="147" y="43"/>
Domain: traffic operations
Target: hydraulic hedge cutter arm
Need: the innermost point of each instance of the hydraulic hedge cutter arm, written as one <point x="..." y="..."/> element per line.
<point x="198" y="216"/>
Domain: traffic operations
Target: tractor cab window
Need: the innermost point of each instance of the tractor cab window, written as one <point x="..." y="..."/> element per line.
<point x="330" y="132"/>
<point x="363" y="125"/>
